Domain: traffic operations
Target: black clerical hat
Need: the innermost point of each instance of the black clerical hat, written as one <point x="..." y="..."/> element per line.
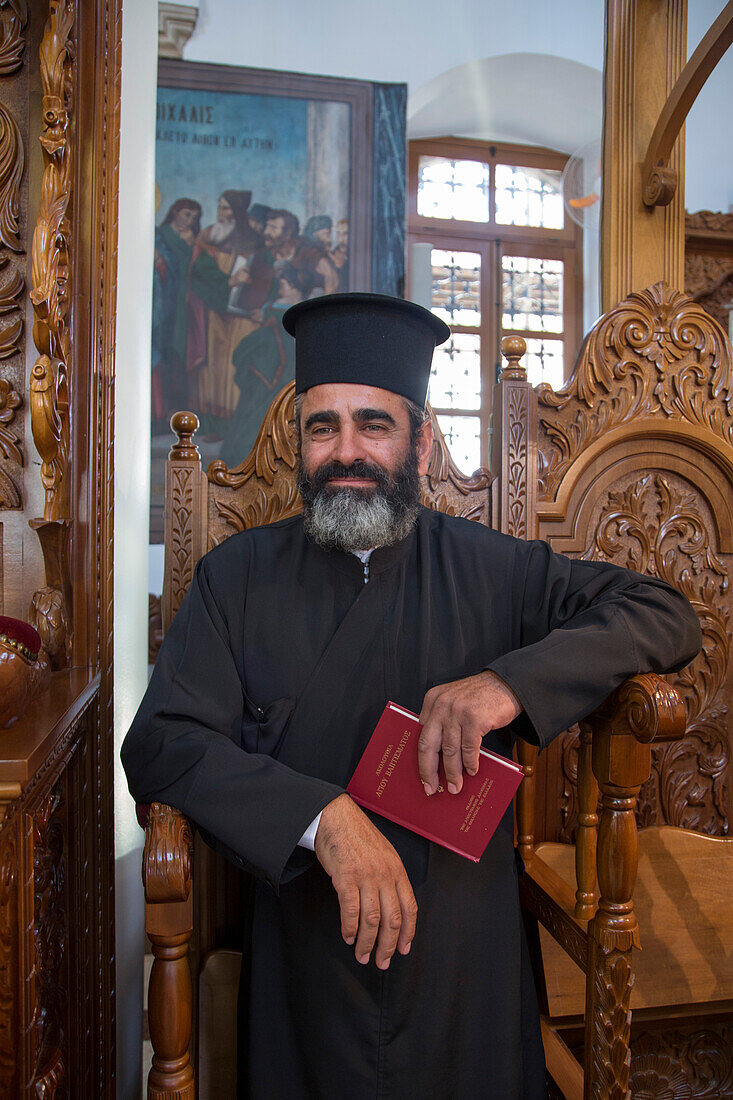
<point x="368" y="339"/>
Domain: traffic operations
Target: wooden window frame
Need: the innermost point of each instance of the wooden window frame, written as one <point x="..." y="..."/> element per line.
<point x="491" y="241"/>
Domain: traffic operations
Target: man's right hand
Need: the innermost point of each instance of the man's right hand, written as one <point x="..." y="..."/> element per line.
<point x="375" y="896"/>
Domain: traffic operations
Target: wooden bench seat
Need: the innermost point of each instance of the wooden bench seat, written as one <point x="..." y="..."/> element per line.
<point x="684" y="904"/>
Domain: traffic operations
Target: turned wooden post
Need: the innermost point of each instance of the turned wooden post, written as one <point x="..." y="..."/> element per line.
<point x="586" y="897"/>
<point x="169" y="924"/>
<point x="525" y="801"/>
<point x="514" y="445"/>
<point x="514" y="466"/>
<point x="622" y="732"/>
<point x="185" y="514"/>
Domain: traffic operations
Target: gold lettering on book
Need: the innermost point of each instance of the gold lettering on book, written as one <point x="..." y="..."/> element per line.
<point x="383" y="761"/>
<point x="393" y="761"/>
<point x="475" y="803"/>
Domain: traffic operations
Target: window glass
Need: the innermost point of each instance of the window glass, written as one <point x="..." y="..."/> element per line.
<point x="455" y="378"/>
<point x="544" y="362"/>
<point x="532" y="294"/>
<point x="529" y="196"/>
<point x="463" y="436"/>
<point x="453" y="189"/>
<point x="457" y="286"/>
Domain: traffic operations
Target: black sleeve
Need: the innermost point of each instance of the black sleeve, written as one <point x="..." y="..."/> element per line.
<point x="584" y="628"/>
<point x="183" y="747"/>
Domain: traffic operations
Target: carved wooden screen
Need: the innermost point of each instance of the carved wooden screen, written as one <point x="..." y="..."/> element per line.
<point x="636" y="467"/>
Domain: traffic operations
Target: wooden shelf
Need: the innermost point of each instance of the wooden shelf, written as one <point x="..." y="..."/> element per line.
<point x="29" y="741"/>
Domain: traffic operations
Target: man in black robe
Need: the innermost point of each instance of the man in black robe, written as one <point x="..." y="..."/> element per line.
<point x="379" y="964"/>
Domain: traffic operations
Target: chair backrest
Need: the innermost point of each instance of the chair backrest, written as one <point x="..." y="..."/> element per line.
<point x="635" y="466"/>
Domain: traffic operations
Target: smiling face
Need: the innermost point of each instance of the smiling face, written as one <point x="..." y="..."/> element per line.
<point x="345" y="423"/>
<point x="359" y="466"/>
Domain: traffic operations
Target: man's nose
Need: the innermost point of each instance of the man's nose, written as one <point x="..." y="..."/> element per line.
<point x="349" y="445"/>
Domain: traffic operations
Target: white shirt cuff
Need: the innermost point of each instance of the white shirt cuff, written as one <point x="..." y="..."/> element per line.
<point x="308" y="839"/>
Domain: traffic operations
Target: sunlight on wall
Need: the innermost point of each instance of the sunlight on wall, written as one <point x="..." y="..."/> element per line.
<point x="132" y="420"/>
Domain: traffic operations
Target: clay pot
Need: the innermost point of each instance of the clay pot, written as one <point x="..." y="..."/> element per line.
<point x="23" y="667"/>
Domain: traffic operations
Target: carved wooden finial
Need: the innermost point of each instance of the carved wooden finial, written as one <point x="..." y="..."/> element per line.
<point x="185" y="425"/>
<point x="513" y="348"/>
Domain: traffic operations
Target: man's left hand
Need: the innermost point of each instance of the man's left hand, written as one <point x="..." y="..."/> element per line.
<point x="455" y="717"/>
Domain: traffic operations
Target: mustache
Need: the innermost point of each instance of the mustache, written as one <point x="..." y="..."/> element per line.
<point x="357" y="470"/>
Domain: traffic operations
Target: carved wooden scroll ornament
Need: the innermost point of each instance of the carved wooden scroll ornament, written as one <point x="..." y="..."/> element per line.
<point x="656" y="526"/>
<point x="656" y="354"/>
<point x="10" y="402"/>
<point x="13" y="18"/>
<point x="168" y="855"/>
<point x="50" y="294"/>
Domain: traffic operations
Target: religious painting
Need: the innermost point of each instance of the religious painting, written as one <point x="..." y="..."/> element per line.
<point x="271" y="188"/>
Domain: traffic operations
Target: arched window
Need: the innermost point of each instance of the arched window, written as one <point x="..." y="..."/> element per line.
<point x="504" y="259"/>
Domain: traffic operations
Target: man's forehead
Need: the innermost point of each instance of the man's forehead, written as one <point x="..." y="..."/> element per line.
<point x="347" y="397"/>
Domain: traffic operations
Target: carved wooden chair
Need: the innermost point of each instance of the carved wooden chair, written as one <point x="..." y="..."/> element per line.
<point x="635" y="465"/>
<point x="593" y="918"/>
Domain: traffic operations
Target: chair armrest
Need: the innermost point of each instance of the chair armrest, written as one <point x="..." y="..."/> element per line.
<point x="644" y="706"/>
<point x="167" y="878"/>
<point x="168" y="855"/>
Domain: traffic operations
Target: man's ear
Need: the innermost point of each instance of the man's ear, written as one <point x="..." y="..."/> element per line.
<point x="424" y="447"/>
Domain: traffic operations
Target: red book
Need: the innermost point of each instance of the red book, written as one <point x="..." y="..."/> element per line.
<point x="387" y="781"/>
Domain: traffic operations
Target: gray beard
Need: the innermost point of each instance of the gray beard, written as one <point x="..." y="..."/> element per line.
<point x="220" y="232"/>
<point x="357" y="519"/>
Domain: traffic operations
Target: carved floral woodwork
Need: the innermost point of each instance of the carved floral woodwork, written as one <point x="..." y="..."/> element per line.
<point x="13" y="18"/>
<point x="168" y="855"/>
<point x="10" y="402"/>
<point x="609" y="1029"/>
<point x="48" y="615"/>
<point x="51" y="605"/>
<point x="709" y="262"/>
<point x="656" y="354"/>
<point x="49" y="873"/>
<point x="12" y="163"/>
<point x="687" y="1061"/>
<point x="8" y="960"/>
<point x="512" y="456"/>
<point x="656" y="527"/>
<point x="12" y="286"/>
<point x="713" y="220"/>
<point x="51" y="268"/>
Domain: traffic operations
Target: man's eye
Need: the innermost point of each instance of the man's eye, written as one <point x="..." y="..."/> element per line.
<point x="378" y="427"/>
<point x="322" y="429"/>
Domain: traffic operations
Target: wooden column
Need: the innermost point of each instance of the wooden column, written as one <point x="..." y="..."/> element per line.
<point x="185" y="514"/>
<point x="169" y="924"/>
<point x="645" y="53"/>
<point x="514" y="463"/>
<point x="586" y="897"/>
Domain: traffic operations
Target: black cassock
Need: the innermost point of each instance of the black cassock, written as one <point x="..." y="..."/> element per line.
<point x="267" y="688"/>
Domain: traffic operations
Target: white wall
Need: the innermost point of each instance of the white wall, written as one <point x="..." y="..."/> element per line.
<point x="132" y="487"/>
<point x="411" y="41"/>
<point x="709" y="147"/>
<point x="417" y="41"/>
